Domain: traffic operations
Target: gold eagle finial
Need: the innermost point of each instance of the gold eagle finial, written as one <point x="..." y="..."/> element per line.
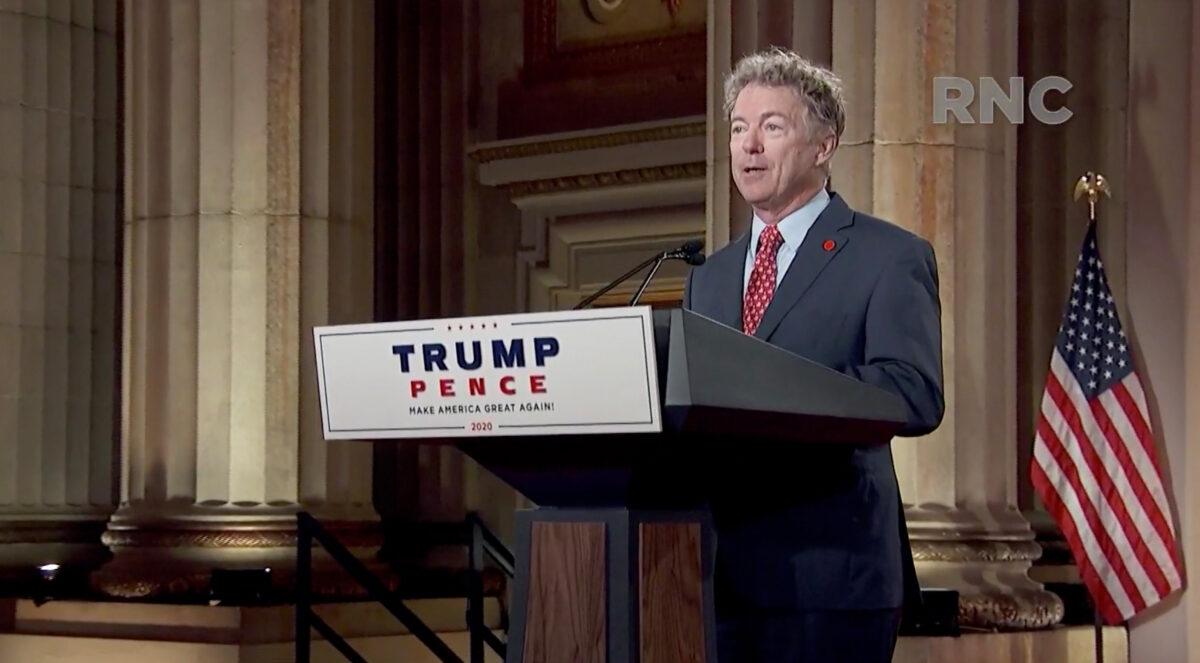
<point x="1093" y="184"/>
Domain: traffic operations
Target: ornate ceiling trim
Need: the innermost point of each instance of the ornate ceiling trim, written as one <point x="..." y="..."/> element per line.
<point x="577" y="143"/>
<point x="683" y="171"/>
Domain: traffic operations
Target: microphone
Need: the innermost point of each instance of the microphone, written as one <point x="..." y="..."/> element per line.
<point x="690" y="252"/>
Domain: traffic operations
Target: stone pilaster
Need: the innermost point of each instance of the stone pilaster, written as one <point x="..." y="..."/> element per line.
<point x="248" y="219"/>
<point x="1050" y="225"/>
<point x="955" y="185"/>
<point x="58" y="208"/>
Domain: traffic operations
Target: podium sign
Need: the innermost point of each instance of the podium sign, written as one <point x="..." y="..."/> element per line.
<point x="566" y="372"/>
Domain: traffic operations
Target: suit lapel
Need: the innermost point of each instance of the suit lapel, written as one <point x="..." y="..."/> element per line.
<point x="730" y="276"/>
<point x="833" y="224"/>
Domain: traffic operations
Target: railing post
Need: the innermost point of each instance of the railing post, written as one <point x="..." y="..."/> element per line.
<point x="475" y="623"/>
<point x="304" y="543"/>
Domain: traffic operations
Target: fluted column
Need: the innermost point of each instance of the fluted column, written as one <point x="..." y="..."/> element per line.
<point x="1050" y="225"/>
<point x="247" y="221"/>
<point x="955" y="185"/>
<point x="58" y="207"/>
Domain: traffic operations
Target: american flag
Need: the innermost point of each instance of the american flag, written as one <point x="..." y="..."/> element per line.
<point x="1094" y="464"/>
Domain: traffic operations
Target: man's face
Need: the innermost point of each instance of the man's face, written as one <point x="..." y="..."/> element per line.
<point x="775" y="165"/>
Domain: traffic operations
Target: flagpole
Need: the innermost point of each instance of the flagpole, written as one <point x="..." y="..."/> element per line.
<point x="1093" y="184"/>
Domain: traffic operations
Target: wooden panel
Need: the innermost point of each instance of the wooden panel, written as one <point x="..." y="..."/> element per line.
<point x="623" y="75"/>
<point x="565" y="614"/>
<point x="671" y="590"/>
<point x="677" y="45"/>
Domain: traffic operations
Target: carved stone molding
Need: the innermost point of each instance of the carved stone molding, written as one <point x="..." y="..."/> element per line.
<point x="975" y="551"/>
<point x="616" y="178"/>
<point x="630" y="176"/>
<point x="183" y="582"/>
<point x="578" y="143"/>
<point x="177" y="563"/>
<point x="353" y="535"/>
<point x="1028" y="609"/>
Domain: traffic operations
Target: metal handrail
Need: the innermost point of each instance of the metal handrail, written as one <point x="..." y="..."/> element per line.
<point x="484" y="542"/>
<point x="308" y="530"/>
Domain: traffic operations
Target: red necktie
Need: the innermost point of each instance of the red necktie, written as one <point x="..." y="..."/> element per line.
<point x="762" y="279"/>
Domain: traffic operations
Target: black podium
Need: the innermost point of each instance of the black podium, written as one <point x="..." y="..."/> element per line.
<point x="615" y="565"/>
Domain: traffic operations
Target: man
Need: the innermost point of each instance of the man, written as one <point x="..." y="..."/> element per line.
<point x="812" y="557"/>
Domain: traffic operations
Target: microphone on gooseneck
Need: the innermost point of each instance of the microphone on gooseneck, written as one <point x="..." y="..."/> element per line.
<point x="691" y="252"/>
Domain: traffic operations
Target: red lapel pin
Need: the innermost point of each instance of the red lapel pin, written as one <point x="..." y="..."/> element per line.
<point x="829" y="245"/>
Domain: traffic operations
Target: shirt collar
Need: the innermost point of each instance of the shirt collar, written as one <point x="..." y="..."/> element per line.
<point x="795" y="226"/>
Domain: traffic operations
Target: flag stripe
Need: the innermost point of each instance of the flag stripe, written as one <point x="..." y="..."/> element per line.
<point x="1097" y="575"/>
<point x="1094" y="461"/>
<point x="1129" y="504"/>
<point x="1059" y="427"/>
<point x="1107" y="457"/>
<point x="1133" y="387"/>
<point x="1130" y="426"/>
<point x="1147" y="484"/>
<point x="1137" y="416"/>
<point x="1126" y="393"/>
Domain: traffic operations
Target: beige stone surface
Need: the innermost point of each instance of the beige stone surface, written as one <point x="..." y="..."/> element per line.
<point x="80" y="631"/>
<point x="56" y="398"/>
<point x="1162" y="169"/>
<point x="1060" y="645"/>
<point x="221" y="183"/>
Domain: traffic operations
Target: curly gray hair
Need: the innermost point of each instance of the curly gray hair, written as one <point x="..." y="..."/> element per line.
<point x="819" y="88"/>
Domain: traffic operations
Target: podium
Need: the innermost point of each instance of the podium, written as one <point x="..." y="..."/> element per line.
<point x="615" y="565"/>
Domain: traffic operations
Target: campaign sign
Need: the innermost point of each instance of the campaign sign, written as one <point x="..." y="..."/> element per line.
<point x="528" y="374"/>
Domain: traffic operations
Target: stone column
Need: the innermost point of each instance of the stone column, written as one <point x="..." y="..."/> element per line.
<point x="248" y="219"/>
<point x="58" y="208"/>
<point x="1050" y="225"/>
<point x="955" y="185"/>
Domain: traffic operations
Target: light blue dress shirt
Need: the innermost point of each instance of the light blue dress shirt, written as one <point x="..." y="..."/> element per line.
<point x="794" y="228"/>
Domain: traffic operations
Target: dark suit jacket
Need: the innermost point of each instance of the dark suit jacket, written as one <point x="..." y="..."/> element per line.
<point x="823" y="528"/>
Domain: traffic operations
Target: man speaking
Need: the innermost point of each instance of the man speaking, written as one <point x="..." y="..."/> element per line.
<point x="812" y="557"/>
